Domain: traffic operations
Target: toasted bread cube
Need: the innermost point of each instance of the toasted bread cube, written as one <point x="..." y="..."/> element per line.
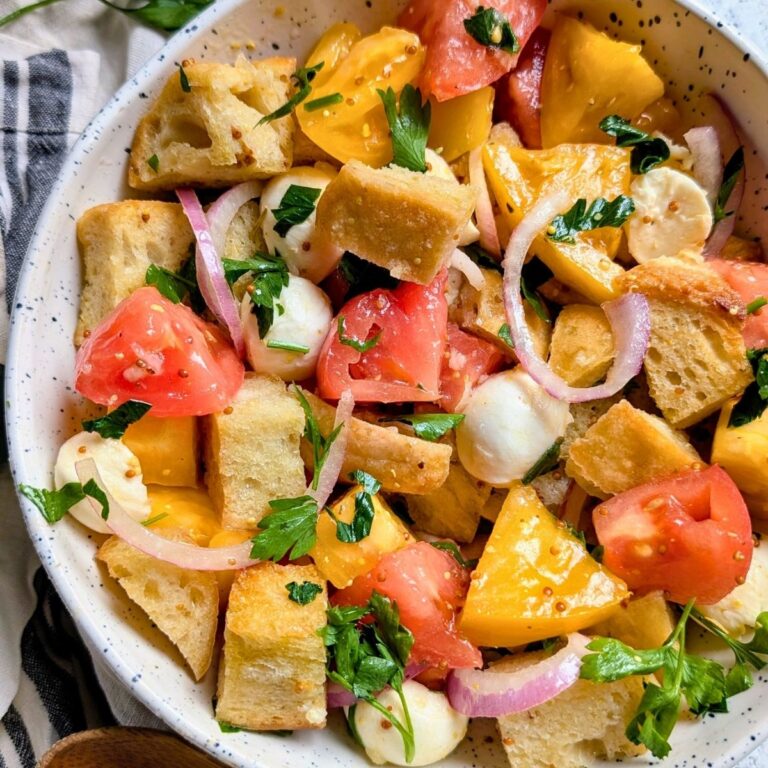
<point x="401" y="463"/>
<point x="409" y="223"/>
<point x="454" y="509"/>
<point x="584" y="416"/>
<point x="577" y="728"/>
<point x="272" y="671"/>
<point x="210" y="135"/>
<point x="167" y="449"/>
<point x="183" y="604"/>
<point x="582" y="347"/>
<point x="252" y="452"/>
<point x="696" y="359"/>
<point x="644" y="622"/>
<point x="627" y="447"/>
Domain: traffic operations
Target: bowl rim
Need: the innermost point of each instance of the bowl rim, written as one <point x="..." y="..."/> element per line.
<point x="94" y="634"/>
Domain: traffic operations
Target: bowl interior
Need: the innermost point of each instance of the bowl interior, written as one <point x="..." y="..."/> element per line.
<point x="42" y="410"/>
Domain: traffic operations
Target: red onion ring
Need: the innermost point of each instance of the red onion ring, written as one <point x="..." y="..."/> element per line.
<point x="210" y="272"/>
<point x="629" y="316"/>
<point x="329" y="474"/>
<point x="486" y="693"/>
<point x="486" y="223"/>
<point x="704" y="144"/>
<point x="469" y="269"/>
<point x="178" y="553"/>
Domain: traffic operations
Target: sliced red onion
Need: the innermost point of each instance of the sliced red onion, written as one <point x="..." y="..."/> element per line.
<point x="329" y="474"/>
<point x="337" y="697"/>
<point x="486" y="223"/>
<point x="707" y="159"/>
<point x="629" y="316"/>
<point x="486" y="693"/>
<point x="222" y="213"/>
<point x="469" y="269"/>
<point x="210" y="271"/>
<point x="178" y="553"/>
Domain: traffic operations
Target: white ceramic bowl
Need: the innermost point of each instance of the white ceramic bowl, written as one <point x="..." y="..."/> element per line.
<point x="42" y="410"/>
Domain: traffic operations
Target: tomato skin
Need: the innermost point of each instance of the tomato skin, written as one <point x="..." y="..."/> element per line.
<point x="404" y="366"/>
<point x="456" y="63"/>
<point x="188" y="367"/>
<point x="689" y="535"/>
<point x="467" y="360"/>
<point x="750" y="280"/>
<point x="428" y="586"/>
<point x="518" y="95"/>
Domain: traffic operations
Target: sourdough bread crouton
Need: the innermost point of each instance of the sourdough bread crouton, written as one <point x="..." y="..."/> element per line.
<point x="401" y="463"/>
<point x="409" y="223"/>
<point x="579" y="727"/>
<point x="643" y="622"/>
<point x="272" y="670"/>
<point x="584" y="415"/>
<point x="696" y="359"/>
<point x="209" y="135"/>
<point x="453" y="510"/>
<point x="118" y="242"/>
<point x="252" y="452"/>
<point x="582" y="347"/>
<point x="183" y="604"/>
<point x="627" y="447"/>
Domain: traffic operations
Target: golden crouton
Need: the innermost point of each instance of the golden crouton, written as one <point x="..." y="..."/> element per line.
<point x="582" y="347"/>
<point x="584" y="416"/>
<point x="183" y="604"/>
<point x="252" y="452"/>
<point x="272" y="671"/>
<point x="454" y="509"/>
<point x="627" y="447"/>
<point x="579" y="726"/>
<point x="409" y="223"/>
<point x="209" y="134"/>
<point x="401" y="463"/>
<point x="696" y="359"/>
<point x="642" y="623"/>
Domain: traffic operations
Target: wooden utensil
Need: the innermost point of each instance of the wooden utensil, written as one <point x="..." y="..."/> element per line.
<point x="125" y="748"/>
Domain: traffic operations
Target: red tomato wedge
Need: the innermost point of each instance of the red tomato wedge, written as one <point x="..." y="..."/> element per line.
<point x="162" y="353"/>
<point x="750" y="280"/>
<point x="467" y="359"/>
<point x="456" y="63"/>
<point x="518" y="95"/>
<point x="404" y="364"/>
<point x="689" y="535"/>
<point x="428" y="586"/>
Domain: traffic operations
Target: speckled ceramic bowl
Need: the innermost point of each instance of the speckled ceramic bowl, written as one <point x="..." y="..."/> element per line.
<point x="42" y="410"/>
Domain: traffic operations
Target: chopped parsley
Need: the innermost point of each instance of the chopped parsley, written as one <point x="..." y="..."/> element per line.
<point x="409" y="127"/>
<point x="324" y="101"/>
<point x="302" y="78"/>
<point x="184" y="80"/>
<point x="431" y="426"/>
<point x="291" y="527"/>
<point x="363" y="276"/>
<point x="303" y="593"/>
<point x="55" y="504"/>
<point x="647" y="151"/>
<point x="492" y="29"/>
<point x="313" y="434"/>
<point x="754" y="401"/>
<point x="288" y="346"/>
<point x="297" y="205"/>
<point x="356" y="344"/>
<point x="505" y="334"/>
<point x="580" y="218"/>
<point x="360" y="527"/>
<point x="733" y="168"/>
<point x="545" y="463"/>
<point x="114" y="424"/>
<point x="226" y="727"/>
<point x="173" y="285"/>
<point x="756" y="305"/>
<point x="154" y="163"/>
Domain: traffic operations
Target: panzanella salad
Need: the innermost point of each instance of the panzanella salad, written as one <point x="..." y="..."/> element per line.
<point x="434" y="371"/>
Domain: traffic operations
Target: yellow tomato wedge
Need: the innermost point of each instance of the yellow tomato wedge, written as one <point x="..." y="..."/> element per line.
<point x="460" y="125"/>
<point x="357" y="128"/>
<point x="186" y="509"/>
<point x="166" y="449"/>
<point x="342" y="562"/>
<point x="519" y="177"/>
<point x="588" y="76"/>
<point x="331" y="48"/>
<point x="535" y="580"/>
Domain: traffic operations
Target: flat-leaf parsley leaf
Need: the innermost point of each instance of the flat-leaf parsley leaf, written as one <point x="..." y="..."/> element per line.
<point x="492" y="29"/>
<point x="601" y="213"/>
<point x="303" y="593"/>
<point x="297" y="205"/>
<point x="647" y="151"/>
<point x="114" y="424"/>
<point x="409" y="127"/>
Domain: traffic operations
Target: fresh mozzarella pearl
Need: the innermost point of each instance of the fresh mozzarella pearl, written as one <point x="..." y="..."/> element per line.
<point x="439" y="167"/>
<point x="672" y="216"/>
<point x="119" y="469"/>
<point x="438" y="728"/>
<point x="509" y="422"/>
<point x="305" y="320"/>
<point x="302" y="253"/>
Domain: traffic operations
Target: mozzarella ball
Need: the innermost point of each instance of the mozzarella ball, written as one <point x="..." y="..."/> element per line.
<point x="438" y="728"/>
<point x="438" y="166"/>
<point x="509" y="422"/>
<point x="672" y="216"/>
<point x="305" y="320"/>
<point x="304" y="255"/>
<point x="119" y="469"/>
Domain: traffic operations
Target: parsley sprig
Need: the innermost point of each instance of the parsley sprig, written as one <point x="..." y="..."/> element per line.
<point x="409" y="127"/>
<point x="114" y="424"/>
<point x="647" y="151"/>
<point x="492" y="29"/>
<point x="754" y="401"/>
<point x="297" y="205"/>
<point x="364" y="658"/>
<point x="302" y="78"/>
<point x="312" y="432"/>
<point x="580" y="218"/>
<point x="431" y="426"/>
<point x="53" y="505"/>
<point x="303" y="593"/>
<point x="733" y="168"/>
<point x="356" y="344"/>
<point x="360" y="527"/>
